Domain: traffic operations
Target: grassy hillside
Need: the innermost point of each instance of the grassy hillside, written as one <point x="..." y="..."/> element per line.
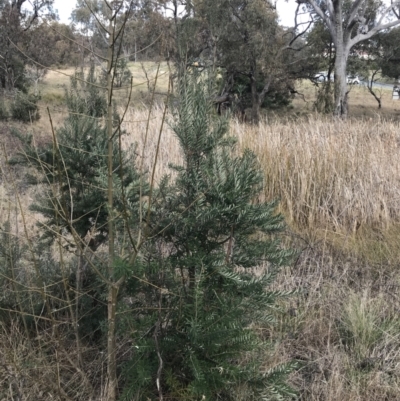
<point x="339" y="188"/>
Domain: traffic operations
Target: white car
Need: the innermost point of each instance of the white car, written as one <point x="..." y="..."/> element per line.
<point x="353" y="80"/>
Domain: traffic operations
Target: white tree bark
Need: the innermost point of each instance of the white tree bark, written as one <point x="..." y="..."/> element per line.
<point x="346" y="31"/>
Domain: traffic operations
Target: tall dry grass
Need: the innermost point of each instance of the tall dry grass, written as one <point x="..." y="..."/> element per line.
<point x="338" y="182"/>
<point x="143" y="131"/>
<point x="330" y="173"/>
<point x="326" y="173"/>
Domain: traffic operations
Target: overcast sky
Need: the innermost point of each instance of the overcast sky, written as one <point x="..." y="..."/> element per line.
<point x="286" y="9"/>
<point x="64" y="8"/>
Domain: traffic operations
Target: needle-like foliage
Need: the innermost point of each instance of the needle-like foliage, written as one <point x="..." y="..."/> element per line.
<point x="73" y="168"/>
<point x="213" y="255"/>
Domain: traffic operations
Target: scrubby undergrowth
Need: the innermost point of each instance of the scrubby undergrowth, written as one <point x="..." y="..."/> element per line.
<point x="338" y="185"/>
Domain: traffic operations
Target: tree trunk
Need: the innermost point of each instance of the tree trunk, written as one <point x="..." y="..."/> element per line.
<point x="341" y="92"/>
<point x="255" y="102"/>
<point x="370" y="85"/>
<point x="112" y="289"/>
<point x="342" y="52"/>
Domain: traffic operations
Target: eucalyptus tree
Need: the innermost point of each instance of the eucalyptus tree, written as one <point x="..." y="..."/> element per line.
<point x="388" y="57"/>
<point x="243" y="39"/>
<point x="254" y="46"/>
<point x="349" y="23"/>
<point x="381" y="57"/>
<point x="16" y="18"/>
<point x="256" y="60"/>
<point x="49" y="44"/>
<point x="88" y="17"/>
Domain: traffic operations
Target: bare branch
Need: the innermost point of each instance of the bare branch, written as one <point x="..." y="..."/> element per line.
<point x="324" y="17"/>
<point x="396" y="13"/>
<point x="354" y="12"/>
<point x="360" y="37"/>
<point x="296" y="25"/>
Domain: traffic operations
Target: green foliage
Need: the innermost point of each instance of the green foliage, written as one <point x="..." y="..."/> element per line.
<point x="25" y="108"/>
<point x="4" y="114"/>
<point x="319" y="50"/>
<point x="74" y="168"/>
<point x="278" y="95"/>
<point x="194" y="332"/>
<point x="84" y="95"/>
<point x="16" y="303"/>
<point x="390" y="53"/>
<point x="122" y="73"/>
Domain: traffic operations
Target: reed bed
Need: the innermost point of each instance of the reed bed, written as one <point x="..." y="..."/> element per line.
<point x="330" y="173"/>
<point x="326" y="173"/>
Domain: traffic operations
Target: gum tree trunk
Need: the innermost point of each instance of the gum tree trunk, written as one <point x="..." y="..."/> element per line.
<point x="358" y="24"/>
<point x="341" y="92"/>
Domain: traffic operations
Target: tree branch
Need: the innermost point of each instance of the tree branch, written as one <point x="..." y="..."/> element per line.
<point x="324" y="17"/>
<point x="396" y="13"/>
<point x="360" y="37"/>
<point x="353" y="13"/>
<point x="296" y="25"/>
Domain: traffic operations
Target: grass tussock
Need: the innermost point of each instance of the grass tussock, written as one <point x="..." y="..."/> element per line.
<point x="44" y="367"/>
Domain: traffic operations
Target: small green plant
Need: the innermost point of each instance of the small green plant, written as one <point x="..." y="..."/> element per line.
<point x="123" y="75"/>
<point x="367" y="333"/>
<point x="195" y="330"/>
<point x="25" y="108"/>
<point x="76" y="164"/>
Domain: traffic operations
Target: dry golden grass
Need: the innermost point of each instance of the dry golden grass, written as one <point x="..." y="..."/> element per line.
<point x="327" y="173"/>
<point x="53" y="86"/>
<point x="339" y="188"/>
<point x="362" y="104"/>
<point x="146" y="140"/>
<point x="44" y="367"/>
<point x="52" y="91"/>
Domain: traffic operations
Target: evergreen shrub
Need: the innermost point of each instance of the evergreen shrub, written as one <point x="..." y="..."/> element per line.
<point x="76" y="163"/>
<point x="205" y="271"/>
<point x="25" y="108"/>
